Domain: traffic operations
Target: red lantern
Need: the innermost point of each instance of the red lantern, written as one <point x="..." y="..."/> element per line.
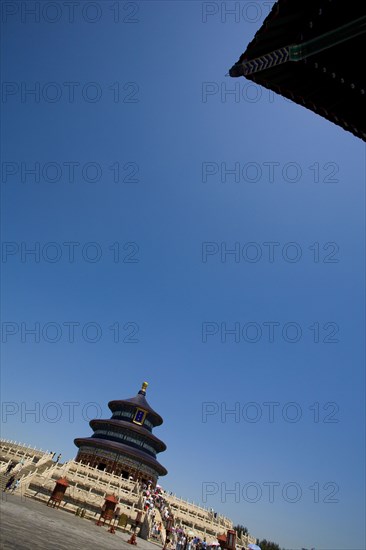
<point x="58" y="493"/>
<point x="107" y="513"/>
<point x="231" y="539"/>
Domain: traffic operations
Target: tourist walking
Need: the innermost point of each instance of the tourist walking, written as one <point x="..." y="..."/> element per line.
<point x="10" y="467"/>
<point x="15" y="486"/>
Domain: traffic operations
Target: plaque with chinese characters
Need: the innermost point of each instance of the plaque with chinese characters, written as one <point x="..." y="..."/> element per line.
<point x="139" y="417"/>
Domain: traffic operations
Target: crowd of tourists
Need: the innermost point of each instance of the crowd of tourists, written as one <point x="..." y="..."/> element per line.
<point x="177" y="537"/>
<point x="185" y="542"/>
<point x="153" y="498"/>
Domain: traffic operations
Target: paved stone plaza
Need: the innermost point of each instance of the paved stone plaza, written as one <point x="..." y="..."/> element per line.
<point x="27" y="524"/>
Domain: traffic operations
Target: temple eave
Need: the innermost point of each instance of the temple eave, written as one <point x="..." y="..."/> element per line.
<point x="113" y="446"/>
<point x="140" y="430"/>
<point x="116" y="405"/>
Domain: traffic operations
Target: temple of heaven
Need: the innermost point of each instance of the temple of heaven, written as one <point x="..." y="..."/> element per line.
<point x="124" y="444"/>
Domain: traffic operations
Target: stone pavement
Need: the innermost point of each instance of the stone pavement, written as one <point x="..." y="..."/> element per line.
<point x="27" y="524"/>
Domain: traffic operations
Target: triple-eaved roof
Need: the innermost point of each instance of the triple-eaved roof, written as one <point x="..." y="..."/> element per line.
<point x="311" y="51"/>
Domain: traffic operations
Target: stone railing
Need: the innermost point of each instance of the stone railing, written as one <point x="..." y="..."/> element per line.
<point x="245" y="540"/>
<point x="25" y="480"/>
<point x="198" y="511"/>
<point x="87" y="489"/>
<point x="23" y="455"/>
<point x="14" y="448"/>
<point x="202" y="521"/>
<point x="19" y="466"/>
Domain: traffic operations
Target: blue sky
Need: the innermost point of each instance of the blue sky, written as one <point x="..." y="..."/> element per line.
<point x="132" y="213"/>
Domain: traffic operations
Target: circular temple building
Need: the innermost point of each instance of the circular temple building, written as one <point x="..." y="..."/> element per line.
<point x="124" y="444"/>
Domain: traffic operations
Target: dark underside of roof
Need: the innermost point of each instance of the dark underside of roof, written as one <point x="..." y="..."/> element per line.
<point x="121" y="425"/>
<point x="122" y="449"/>
<point x="331" y="80"/>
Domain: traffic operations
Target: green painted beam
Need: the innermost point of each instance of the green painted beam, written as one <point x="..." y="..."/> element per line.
<point x="328" y="40"/>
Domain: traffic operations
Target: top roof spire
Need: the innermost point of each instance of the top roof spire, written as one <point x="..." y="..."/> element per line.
<point x="143" y="388"/>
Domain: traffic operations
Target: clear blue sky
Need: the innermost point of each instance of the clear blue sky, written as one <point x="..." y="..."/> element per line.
<point x="171" y="132"/>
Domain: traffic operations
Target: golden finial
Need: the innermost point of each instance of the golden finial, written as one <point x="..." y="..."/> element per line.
<point x="144" y="386"/>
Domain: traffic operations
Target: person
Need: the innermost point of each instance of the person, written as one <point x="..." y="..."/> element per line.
<point x="10" y="467"/>
<point x="117" y="514"/>
<point x="15" y="486"/>
<point x="58" y="458"/>
<point x="9" y="483"/>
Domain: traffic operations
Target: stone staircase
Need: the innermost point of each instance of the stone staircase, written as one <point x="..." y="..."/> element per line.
<point x="22" y="472"/>
<point x="158" y="540"/>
